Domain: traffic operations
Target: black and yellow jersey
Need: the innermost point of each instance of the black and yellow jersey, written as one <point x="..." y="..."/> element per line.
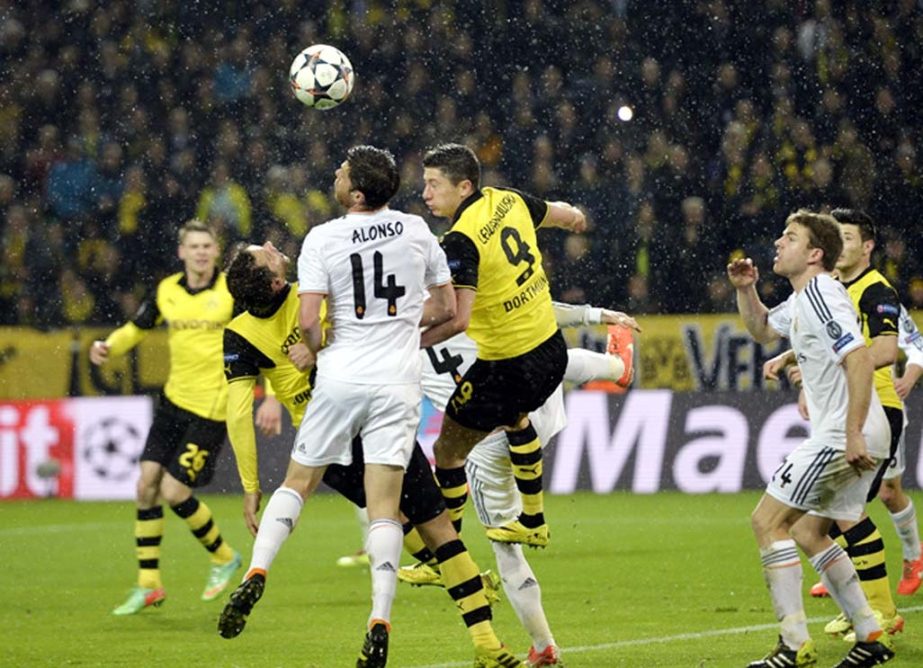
<point x="259" y="344"/>
<point x="255" y="345"/>
<point x="492" y="249"/>
<point x="195" y="320"/>
<point x="879" y="311"/>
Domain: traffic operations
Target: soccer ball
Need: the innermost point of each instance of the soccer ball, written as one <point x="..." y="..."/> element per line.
<point x="321" y="76"/>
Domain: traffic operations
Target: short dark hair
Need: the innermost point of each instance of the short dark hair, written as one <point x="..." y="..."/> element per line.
<point x="195" y="225"/>
<point x="868" y="231"/>
<point x="457" y="161"/>
<point x="249" y="284"/>
<point x="823" y="233"/>
<point x="373" y="172"/>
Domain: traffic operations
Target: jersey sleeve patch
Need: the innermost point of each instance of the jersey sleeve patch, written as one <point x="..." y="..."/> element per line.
<point x="463" y="259"/>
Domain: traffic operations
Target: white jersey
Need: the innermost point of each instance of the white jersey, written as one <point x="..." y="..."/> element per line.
<point x="822" y="325"/>
<point x="909" y="338"/>
<point x="374" y="269"/>
<point x="444" y="365"/>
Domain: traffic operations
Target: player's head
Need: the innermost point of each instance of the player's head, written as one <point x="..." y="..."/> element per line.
<point x="859" y="237"/>
<point x="255" y="274"/>
<point x="451" y="174"/>
<point x="198" y="247"/>
<point x="368" y="179"/>
<point x="809" y="239"/>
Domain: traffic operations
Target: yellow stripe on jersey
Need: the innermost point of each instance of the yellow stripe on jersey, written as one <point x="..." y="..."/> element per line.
<point x="884" y="379"/>
<point x="512" y="311"/>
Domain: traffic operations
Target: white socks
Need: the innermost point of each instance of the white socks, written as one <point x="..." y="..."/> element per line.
<point x="905" y="522"/>
<point x="839" y="576"/>
<point x="586" y="365"/>
<point x="276" y="524"/>
<point x="524" y="593"/>
<point x="782" y="570"/>
<point x="383" y="545"/>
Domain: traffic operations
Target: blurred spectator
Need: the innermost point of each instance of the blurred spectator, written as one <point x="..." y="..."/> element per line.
<point x="128" y="123"/>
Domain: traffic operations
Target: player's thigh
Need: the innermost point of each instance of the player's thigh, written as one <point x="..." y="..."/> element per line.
<point x="496" y="393"/>
<point x="494" y="494"/>
<point x="197" y="455"/>
<point x="389" y="428"/>
<point x="330" y="423"/>
<point x="816" y="478"/>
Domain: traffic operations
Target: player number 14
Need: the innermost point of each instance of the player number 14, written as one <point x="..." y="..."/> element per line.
<point x="388" y="289"/>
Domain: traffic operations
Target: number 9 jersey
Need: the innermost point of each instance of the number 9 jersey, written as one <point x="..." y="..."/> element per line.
<point x="492" y="248"/>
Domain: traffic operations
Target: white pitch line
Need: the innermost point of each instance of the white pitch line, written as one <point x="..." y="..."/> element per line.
<point x="698" y="635"/>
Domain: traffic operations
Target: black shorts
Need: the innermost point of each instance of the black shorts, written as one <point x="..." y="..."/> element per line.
<point x="896" y="420"/>
<point x="185" y="444"/>
<point x="421" y="499"/>
<point x="494" y="393"/>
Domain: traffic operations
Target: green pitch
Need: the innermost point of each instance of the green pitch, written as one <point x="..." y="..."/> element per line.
<point x="629" y="581"/>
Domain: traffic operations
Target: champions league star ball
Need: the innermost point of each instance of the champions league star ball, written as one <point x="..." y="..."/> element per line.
<point x="321" y="76"/>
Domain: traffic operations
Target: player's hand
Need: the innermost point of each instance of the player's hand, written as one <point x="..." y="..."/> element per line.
<point x="268" y="417"/>
<point x="619" y="318"/>
<point x="803" y="406"/>
<point x="857" y="454"/>
<point x="301" y="356"/>
<point x="743" y="273"/>
<point x="905" y="384"/>
<point x="99" y="352"/>
<point x="771" y="368"/>
<point x="251" y="510"/>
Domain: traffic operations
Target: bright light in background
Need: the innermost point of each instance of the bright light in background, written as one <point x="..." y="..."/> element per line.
<point x="625" y="113"/>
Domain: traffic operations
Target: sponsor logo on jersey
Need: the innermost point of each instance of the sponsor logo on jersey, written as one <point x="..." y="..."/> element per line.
<point x="180" y="325"/>
<point x="526" y="295"/>
<point x="887" y="308"/>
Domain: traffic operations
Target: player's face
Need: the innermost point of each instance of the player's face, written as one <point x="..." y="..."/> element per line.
<point x="792" y="251"/>
<point x="342" y="185"/>
<point x="269" y="256"/>
<point x="441" y="196"/>
<point x="199" y="253"/>
<point x="853" y="249"/>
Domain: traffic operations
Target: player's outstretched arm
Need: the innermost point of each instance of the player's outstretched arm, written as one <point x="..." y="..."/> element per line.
<point x="744" y="276"/>
<point x="565" y="216"/>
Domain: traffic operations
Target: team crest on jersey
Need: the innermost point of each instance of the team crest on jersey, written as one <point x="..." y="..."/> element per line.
<point x="834" y="331"/>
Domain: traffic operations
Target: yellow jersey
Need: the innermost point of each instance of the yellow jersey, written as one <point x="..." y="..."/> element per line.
<point x="195" y="320"/>
<point x="879" y="310"/>
<point x="254" y="345"/>
<point x="492" y="249"/>
<point x="259" y="344"/>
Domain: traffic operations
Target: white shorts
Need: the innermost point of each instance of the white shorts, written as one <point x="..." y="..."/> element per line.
<point x="899" y="461"/>
<point x="386" y="416"/>
<point x="816" y="478"/>
<point x="494" y="493"/>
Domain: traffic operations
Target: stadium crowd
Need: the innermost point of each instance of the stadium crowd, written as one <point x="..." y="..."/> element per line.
<point x="121" y="120"/>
